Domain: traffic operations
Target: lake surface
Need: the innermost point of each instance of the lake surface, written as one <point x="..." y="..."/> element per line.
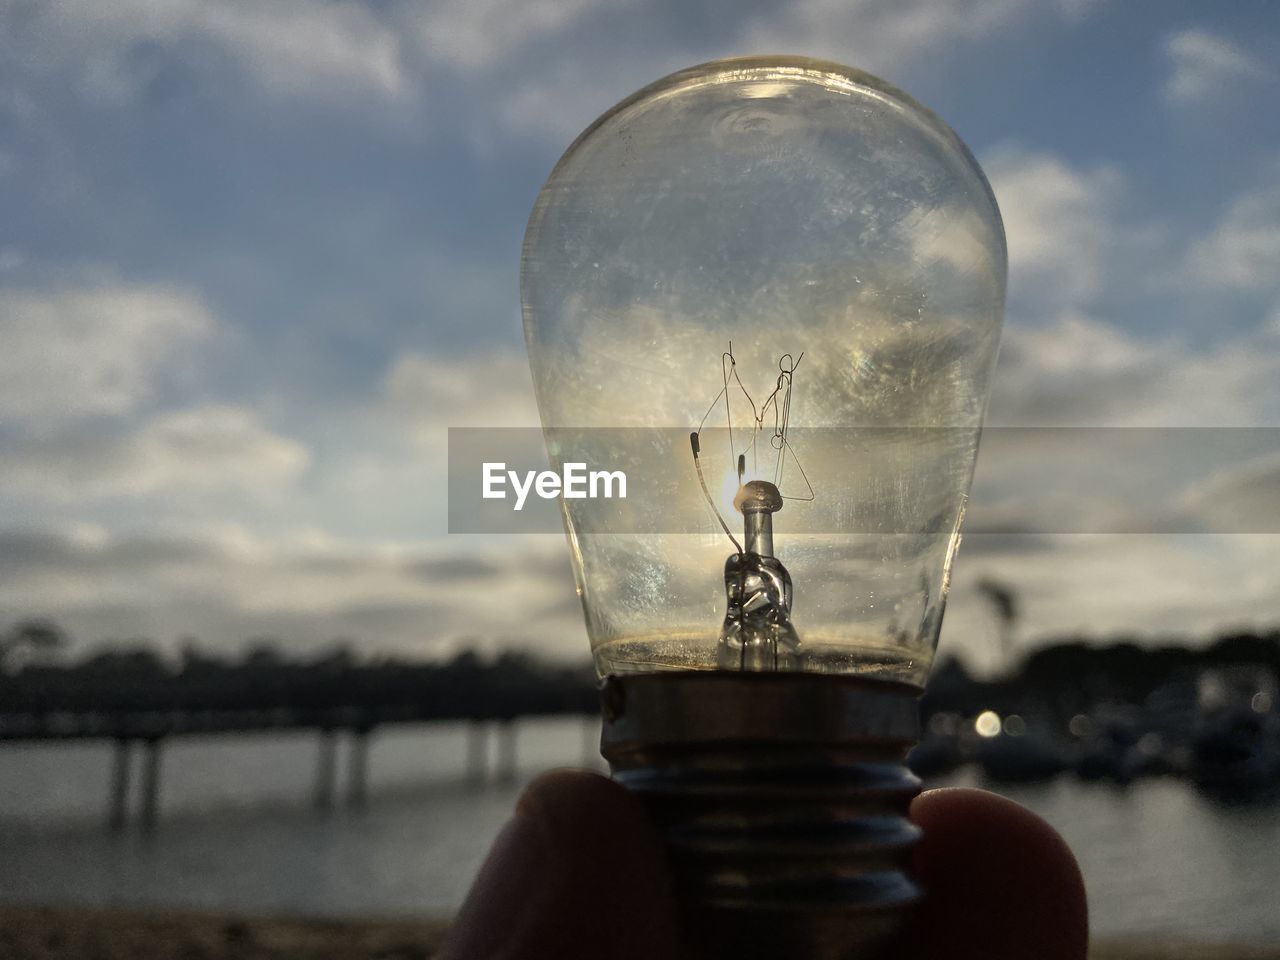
<point x="237" y="832"/>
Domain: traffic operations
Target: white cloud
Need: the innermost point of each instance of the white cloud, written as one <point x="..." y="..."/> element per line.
<point x="885" y="35"/>
<point x="184" y="453"/>
<point x="888" y="36"/>
<point x="116" y="50"/>
<point x="1081" y="371"/>
<point x="289" y="45"/>
<point x="878" y="34"/>
<point x="429" y="394"/>
<point x="1058" y="222"/>
<point x="393" y="452"/>
<point x="226" y="585"/>
<point x="1205" y="66"/>
<point x="1098" y="585"/>
<point x="562" y="103"/>
<point x="1240" y="497"/>
<point x="1242" y="252"/>
<point x="92" y="351"/>
<point x="476" y="33"/>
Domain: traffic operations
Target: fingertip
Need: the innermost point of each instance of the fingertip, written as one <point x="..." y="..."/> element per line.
<point x="1001" y="884"/>
<point x="587" y="798"/>
<point x="579" y="866"/>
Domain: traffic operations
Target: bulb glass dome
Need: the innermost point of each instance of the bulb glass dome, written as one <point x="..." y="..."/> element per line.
<point x="798" y="253"/>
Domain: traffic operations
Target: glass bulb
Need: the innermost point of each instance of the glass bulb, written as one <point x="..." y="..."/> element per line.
<point x="798" y="272"/>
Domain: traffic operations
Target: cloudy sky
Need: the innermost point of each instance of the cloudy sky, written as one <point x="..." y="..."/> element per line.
<point x="256" y="258"/>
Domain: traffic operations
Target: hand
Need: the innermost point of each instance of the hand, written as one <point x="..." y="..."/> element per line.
<point x="580" y="872"/>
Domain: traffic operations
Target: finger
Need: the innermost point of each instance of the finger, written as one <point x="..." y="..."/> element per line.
<point x="578" y="872"/>
<point x="1000" y="883"/>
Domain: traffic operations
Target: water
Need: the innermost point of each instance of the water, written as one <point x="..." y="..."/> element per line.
<point x="237" y="833"/>
<point x="1160" y="858"/>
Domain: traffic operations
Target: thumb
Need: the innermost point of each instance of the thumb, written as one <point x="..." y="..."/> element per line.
<point x="578" y="872"/>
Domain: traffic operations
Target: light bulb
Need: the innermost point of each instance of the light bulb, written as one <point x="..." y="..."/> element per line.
<point x="770" y="290"/>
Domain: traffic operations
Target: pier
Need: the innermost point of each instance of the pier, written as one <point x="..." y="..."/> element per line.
<point x="343" y="745"/>
<point x="345" y="707"/>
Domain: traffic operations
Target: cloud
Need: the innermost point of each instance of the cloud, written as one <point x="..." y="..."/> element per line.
<point x="476" y="33"/>
<point x="1073" y="267"/>
<point x="1082" y="371"/>
<point x="288" y="45"/>
<point x="445" y="569"/>
<point x="93" y="351"/>
<point x="889" y="36"/>
<point x="983" y="543"/>
<point x="226" y="585"/>
<point x="1205" y="66"/>
<point x="560" y="105"/>
<point x="1098" y="585"/>
<point x="1242" y="251"/>
<point x="1059" y="225"/>
<point x="187" y="453"/>
<point x="879" y="34"/>
<point x="428" y="394"/>
<point x="118" y="52"/>
<point x="391" y="450"/>
<point x="1243" y="497"/>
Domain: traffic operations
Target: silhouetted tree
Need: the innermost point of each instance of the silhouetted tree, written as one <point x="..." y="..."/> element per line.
<point x="1004" y="602"/>
<point x="35" y="635"/>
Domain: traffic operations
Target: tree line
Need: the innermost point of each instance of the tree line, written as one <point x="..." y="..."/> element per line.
<point x="37" y="676"/>
<point x="133" y="677"/>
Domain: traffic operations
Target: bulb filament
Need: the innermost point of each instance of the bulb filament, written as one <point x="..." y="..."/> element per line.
<point x="757" y="633"/>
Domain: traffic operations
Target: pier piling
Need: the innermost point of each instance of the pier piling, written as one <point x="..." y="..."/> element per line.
<point x="358" y="769"/>
<point x="506" y="751"/>
<point x="322" y="796"/>
<point x="117" y="812"/>
<point x="477" y="750"/>
<point x="150" y="808"/>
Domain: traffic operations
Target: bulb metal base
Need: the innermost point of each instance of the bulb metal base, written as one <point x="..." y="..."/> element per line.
<point x="783" y="799"/>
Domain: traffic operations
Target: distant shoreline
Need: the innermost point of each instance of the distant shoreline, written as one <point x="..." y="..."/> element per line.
<point x="72" y="933"/>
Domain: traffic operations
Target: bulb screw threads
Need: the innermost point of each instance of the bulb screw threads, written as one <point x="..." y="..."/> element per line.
<point x="783" y="799"/>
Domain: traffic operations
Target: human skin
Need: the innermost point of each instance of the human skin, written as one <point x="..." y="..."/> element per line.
<point x="580" y="872"/>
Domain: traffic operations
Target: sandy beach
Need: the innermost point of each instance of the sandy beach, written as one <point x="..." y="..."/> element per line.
<point x="71" y="933"/>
